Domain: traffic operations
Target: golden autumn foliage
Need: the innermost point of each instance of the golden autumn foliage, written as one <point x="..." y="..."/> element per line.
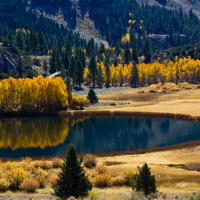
<point x="25" y="132"/>
<point x="14" y="132"/>
<point x="180" y="70"/>
<point x="37" y="94"/>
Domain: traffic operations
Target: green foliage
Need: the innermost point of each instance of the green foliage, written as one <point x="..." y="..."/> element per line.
<point x="92" y="96"/>
<point x="72" y="180"/>
<point x="145" y="181"/>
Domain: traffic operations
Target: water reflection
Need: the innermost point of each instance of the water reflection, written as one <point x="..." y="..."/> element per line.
<point x="49" y="136"/>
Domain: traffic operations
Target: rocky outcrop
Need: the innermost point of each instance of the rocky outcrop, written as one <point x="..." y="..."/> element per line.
<point x="6" y="59"/>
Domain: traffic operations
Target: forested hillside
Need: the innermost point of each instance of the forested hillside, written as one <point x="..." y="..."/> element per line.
<point x="118" y="17"/>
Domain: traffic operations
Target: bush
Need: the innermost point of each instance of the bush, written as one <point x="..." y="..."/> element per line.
<point x="118" y="181"/>
<point x="129" y="177"/>
<point x="195" y="166"/>
<point x="100" y="169"/>
<point x="102" y="180"/>
<point x="40" y="176"/>
<point x="4" y="185"/>
<point x="141" y="90"/>
<point x="89" y="161"/>
<point x="56" y="162"/>
<point x="17" y="176"/>
<point x="29" y="185"/>
<point x="153" y="88"/>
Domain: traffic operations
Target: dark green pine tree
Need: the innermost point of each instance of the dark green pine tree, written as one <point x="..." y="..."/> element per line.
<point x="147" y="51"/>
<point x="52" y="63"/>
<point x="19" y="68"/>
<point x="45" y="66"/>
<point x="145" y="181"/>
<point x="127" y="54"/>
<point x="99" y="78"/>
<point x="107" y="70"/>
<point x="79" y="73"/>
<point x="134" y="76"/>
<point x="62" y="71"/>
<point x="19" y="40"/>
<point x="134" y="54"/>
<point x="71" y="70"/>
<point x="92" y="96"/>
<point x="92" y="69"/>
<point x="72" y="180"/>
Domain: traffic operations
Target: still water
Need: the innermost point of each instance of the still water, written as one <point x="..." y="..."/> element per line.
<point x="50" y="136"/>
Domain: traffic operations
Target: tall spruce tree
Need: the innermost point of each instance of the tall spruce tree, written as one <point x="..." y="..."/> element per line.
<point x="92" y="69"/>
<point x="134" y="76"/>
<point x="147" y="51"/>
<point x="79" y="73"/>
<point x="72" y="180"/>
<point x="134" y="54"/>
<point x="127" y="54"/>
<point x="145" y="181"/>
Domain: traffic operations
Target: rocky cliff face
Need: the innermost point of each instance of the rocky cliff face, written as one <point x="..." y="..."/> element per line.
<point x="6" y="59"/>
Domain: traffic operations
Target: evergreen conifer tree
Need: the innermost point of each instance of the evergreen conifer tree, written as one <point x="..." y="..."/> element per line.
<point x="19" y="68"/>
<point x="134" y="76"/>
<point x="79" y="70"/>
<point x="99" y="77"/>
<point x="45" y="66"/>
<point x="127" y="54"/>
<point x="135" y="51"/>
<point x="72" y="180"/>
<point x="147" y="51"/>
<point x="92" y="96"/>
<point x="92" y="69"/>
<point x="145" y="181"/>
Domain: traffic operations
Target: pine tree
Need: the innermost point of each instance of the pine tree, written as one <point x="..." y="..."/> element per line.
<point x="92" y="69"/>
<point x="19" y="68"/>
<point x="71" y="70"/>
<point x="127" y="54"/>
<point x="62" y="71"/>
<point x="72" y="180"/>
<point x="92" y="96"/>
<point x="79" y="73"/>
<point x="145" y="181"/>
<point x="135" y="51"/>
<point x="134" y="76"/>
<point x="45" y="66"/>
<point x="147" y="51"/>
<point x="99" y="77"/>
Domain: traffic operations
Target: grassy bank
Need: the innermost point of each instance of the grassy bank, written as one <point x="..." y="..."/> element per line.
<point x="175" y="170"/>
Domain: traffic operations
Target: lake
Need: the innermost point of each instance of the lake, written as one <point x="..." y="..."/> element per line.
<point x="50" y="135"/>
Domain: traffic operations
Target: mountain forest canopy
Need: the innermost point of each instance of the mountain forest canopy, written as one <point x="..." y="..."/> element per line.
<point x="115" y="17"/>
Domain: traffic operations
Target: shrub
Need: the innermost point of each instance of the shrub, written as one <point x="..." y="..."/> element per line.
<point x="89" y="161"/>
<point x="141" y="90"/>
<point x="195" y="166"/>
<point x="56" y="162"/>
<point x="44" y="164"/>
<point x="170" y="87"/>
<point x="40" y="176"/>
<point x="129" y="177"/>
<point x="153" y="88"/>
<point x="100" y="169"/>
<point x="4" y="184"/>
<point x="29" y="185"/>
<point x="17" y="176"/>
<point x="118" y="181"/>
<point x="102" y="180"/>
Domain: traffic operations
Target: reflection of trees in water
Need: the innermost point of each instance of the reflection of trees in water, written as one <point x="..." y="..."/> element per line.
<point x="27" y="132"/>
